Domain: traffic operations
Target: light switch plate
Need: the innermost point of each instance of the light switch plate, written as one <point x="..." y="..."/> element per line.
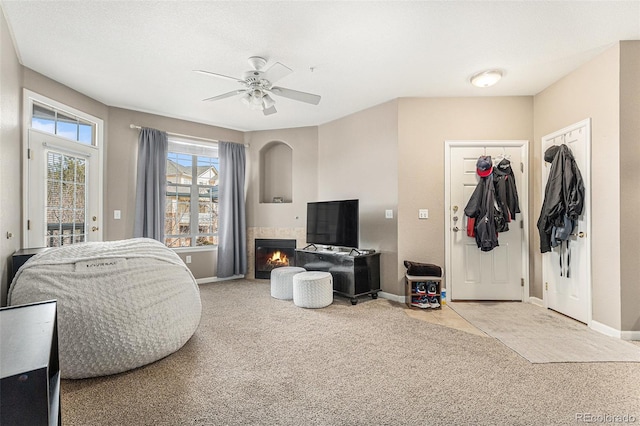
<point x="423" y="214"/>
<point x="116" y="214"/>
<point x="388" y="214"/>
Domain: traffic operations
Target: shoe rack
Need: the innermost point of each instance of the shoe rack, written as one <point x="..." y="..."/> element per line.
<point x="414" y="292"/>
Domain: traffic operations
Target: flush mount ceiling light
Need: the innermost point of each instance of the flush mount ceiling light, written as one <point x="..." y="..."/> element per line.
<point x="486" y="78"/>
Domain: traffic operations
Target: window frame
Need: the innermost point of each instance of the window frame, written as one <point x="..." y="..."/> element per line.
<point x="195" y="149"/>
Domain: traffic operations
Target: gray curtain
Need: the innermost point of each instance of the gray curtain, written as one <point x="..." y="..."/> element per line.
<point x="151" y="184"/>
<point x="232" y="227"/>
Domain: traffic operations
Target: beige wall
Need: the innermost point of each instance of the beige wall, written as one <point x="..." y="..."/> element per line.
<point x="629" y="182"/>
<point x="304" y="145"/>
<point x="424" y="126"/>
<point x="358" y="158"/>
<point x="10" y="147"/>
<point x="591" y="91"/>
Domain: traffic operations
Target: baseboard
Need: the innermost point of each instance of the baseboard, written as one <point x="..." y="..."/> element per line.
<point x="536" y="301"/>
<point x="216" y="279"/>
<point x="605" y="329"/>
<point x="630" y="335"/>
<point x="610" y="331"/>
<point x="391" y="296"/>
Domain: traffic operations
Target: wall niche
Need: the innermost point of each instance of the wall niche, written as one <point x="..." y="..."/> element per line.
<point x="276" y="170"/>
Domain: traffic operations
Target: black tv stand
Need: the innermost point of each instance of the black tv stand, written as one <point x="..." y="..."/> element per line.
<point x="353" y="274"/>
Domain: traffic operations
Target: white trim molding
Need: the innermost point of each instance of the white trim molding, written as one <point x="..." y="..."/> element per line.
<point x="604" y="329"/>
<point x="536" y="301"/>
<point x="391" y="296"/>
<point x="612" y="332"/>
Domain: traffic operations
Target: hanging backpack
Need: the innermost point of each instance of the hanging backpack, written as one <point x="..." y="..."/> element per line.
<point x="559" y="234"/>
<point x="562" y="232"/>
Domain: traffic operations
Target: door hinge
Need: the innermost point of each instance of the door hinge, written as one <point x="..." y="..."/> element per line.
<point x="28" y="225"/>
<point x="521" y="282"/>
<point x="546" y="286"/>
<point x="521" y="167"/>
<point x="521" y="224"/>
<point x="28" y="153"/>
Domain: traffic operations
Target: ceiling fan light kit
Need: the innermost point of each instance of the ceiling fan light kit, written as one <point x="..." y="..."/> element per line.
<point x="486" y="78"/>
<point x="258" y="85"/>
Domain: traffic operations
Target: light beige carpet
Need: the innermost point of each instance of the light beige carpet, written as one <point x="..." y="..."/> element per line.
<point x="544" y="336"/>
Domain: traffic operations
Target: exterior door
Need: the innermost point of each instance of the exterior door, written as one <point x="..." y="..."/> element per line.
<point x="571" y="295"/>
<point x="474" y="274"/>
<point x="63" y="196"/>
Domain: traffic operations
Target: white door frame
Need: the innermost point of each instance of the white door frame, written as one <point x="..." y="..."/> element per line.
<point x="523" y="195"/>
<point x="586" y="178"/>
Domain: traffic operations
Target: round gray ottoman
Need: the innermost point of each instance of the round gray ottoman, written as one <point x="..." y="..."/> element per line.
<point x="313" y="289"/>
<point x="282" y="281"/>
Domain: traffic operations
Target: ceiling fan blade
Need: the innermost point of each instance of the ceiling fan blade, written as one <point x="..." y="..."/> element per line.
<point x="219" y="75"/>
<point x="225" y="95"/>
<point x="275" y="72"/>
<point x="296" y="95"/>
<point x="269" y="111"/>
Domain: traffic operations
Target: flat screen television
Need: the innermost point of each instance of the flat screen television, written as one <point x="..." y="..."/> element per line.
<point x="333" y="223"/>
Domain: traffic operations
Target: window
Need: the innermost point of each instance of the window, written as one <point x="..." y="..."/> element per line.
<point x="66" y="182"/>
<point x="63" y="124"/>
<point x="191" y="212"/>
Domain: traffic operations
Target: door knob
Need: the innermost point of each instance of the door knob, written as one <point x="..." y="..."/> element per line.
<point x="456" y="229"/>
<point x="94" y="228"/>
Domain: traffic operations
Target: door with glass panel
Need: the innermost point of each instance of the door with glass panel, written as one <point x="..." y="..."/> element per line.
<point x="63" y="197"/>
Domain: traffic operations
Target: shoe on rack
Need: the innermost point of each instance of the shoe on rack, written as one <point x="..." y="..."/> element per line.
<point x="432" y="288"/>
<point x="433" y="301"/>
<point x="420" y="288"/>
<point x="420" y="302"/>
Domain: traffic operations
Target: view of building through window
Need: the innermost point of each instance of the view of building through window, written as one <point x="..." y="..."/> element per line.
<point x="191" y="215"/>
<point x="66" y="183"/>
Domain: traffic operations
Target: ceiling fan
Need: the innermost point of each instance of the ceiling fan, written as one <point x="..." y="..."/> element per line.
<point x="258" y="86"/>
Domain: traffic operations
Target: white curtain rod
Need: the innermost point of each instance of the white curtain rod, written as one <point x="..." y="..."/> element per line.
<point x="134" y="126"/>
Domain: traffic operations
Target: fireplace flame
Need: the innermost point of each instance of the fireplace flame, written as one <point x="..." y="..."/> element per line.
<point x="278" y="259"/>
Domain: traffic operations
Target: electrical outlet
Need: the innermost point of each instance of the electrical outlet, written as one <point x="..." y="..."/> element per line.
<point x="388" y="214"/>
<point x="188" y="259"/>
<point x="423" y="214"/>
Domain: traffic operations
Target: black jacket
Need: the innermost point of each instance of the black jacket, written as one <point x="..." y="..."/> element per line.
<point x="480" y="208"/>
<point x="563" y="195"/>
<point x="506" y="191"/>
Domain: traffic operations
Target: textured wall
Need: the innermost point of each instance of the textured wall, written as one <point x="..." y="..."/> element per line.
<point x="629" y="181"/>
<point x="304" y="151"/>
<point x="591" y="91"/>
<point x="424" y="126"/>
<point x="10" y="155"/>
<point x="358" y="158"/>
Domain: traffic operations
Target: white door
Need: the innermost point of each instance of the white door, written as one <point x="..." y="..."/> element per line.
<point x="474" y="274"/>
<point x="571" y="295"/>
<point x="63" y="196"/>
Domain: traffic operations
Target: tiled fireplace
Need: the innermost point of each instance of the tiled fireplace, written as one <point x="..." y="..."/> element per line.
<point x="272" y="253"/>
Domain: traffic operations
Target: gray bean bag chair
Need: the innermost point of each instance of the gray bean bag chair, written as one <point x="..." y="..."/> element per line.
<point x="121" y="304"/>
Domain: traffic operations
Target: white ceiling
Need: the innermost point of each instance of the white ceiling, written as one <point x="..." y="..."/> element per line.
<point x="141" y="55"/>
